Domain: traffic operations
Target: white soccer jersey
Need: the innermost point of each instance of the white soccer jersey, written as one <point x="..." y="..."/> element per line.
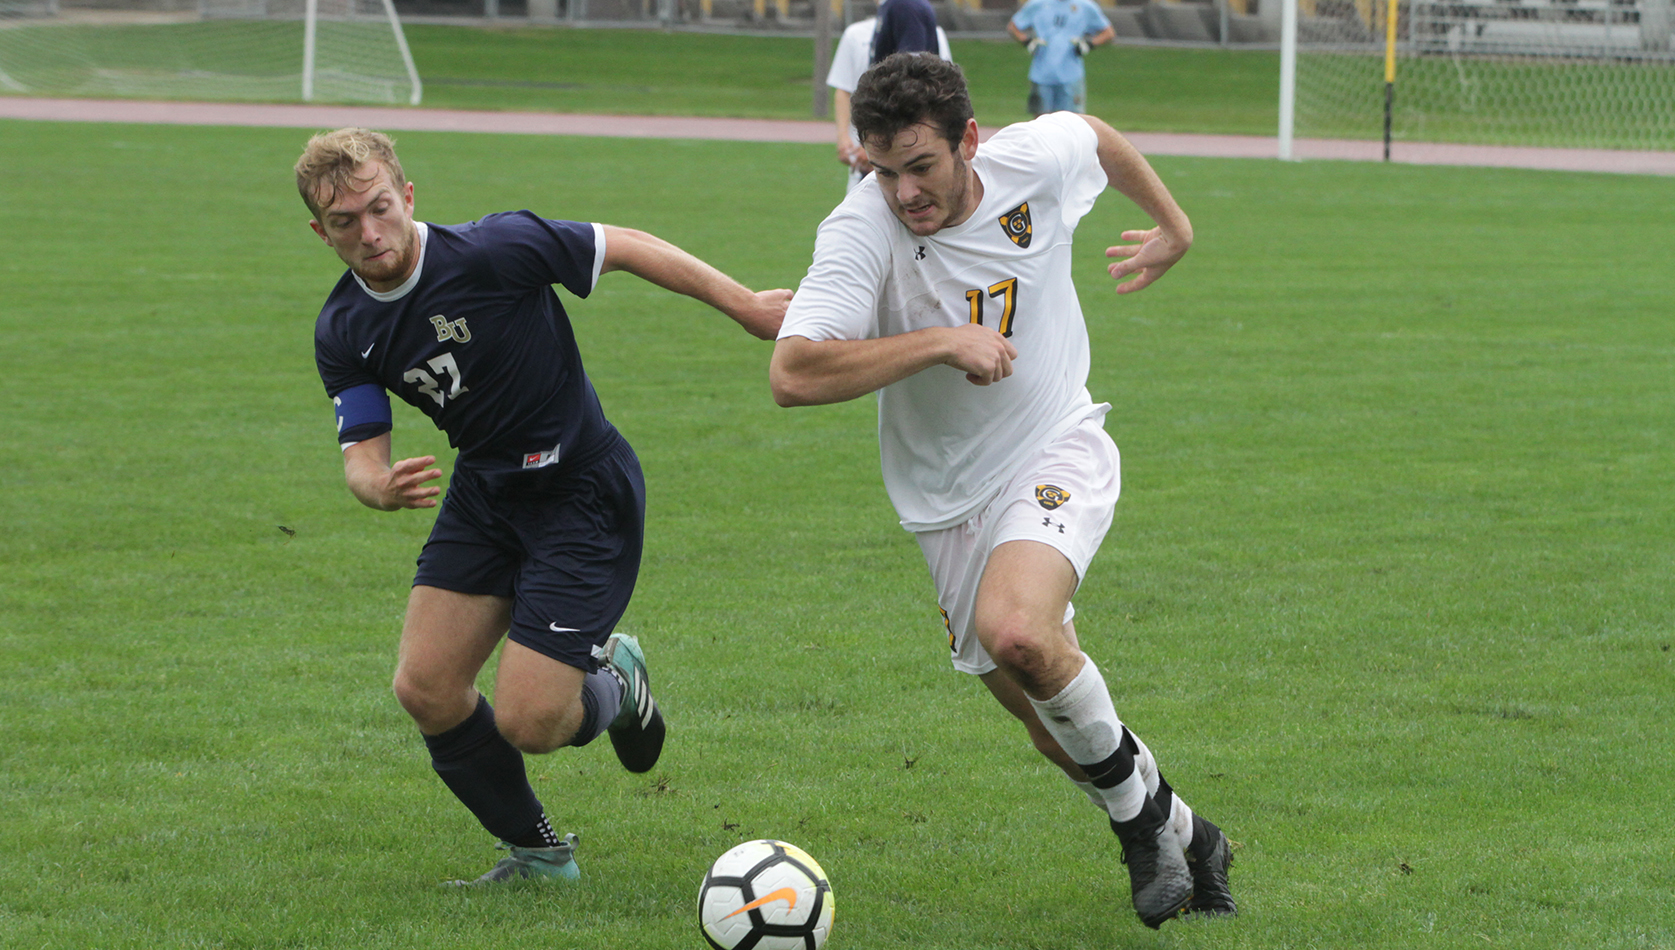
<point x="948" y="446"/>
<point x="854" y="49"/>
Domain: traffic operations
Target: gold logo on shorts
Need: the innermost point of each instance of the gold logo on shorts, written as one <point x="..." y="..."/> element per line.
<point x="1016" y="224"/>
<point x="1051" y="496"/>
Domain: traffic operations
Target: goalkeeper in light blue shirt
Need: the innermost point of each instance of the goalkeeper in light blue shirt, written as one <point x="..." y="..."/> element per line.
<point x="1059" y="33"/>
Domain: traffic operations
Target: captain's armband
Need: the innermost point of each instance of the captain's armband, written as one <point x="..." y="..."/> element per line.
<point x="363" y="412"/>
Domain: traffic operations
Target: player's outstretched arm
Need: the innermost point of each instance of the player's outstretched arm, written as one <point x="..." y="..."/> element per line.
<point x="807" y="372"/>
<point x="378" y="484"/>
<point x="671" y="268"/>
<point x="1159" y="248"/>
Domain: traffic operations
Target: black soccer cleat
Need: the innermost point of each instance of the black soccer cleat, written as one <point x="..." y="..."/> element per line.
<point x="637" y="732"/>
<point x="1157" y="868"/>
<point x="1208" y="856"/>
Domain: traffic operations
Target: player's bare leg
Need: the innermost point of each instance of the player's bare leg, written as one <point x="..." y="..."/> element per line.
<point x="1019" y="618"/>
<point x="1011" y="696"/>
<point x="445" y="640"/>
<point x="537" y="699"/>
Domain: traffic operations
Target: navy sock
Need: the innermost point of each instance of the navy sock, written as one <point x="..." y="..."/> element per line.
<point x="485" y="772"/>
<point x="601" y="701"/>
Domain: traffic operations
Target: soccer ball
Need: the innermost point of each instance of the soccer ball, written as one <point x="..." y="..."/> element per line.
<point x="765" y="895"/>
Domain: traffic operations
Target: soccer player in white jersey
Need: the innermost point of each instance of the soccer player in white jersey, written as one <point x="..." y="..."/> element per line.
<point x="943" y="284"/>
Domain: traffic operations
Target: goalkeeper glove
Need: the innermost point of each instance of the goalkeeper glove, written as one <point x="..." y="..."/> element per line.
<point x="1082" y="46"/>
<point x="1035" y="43"/>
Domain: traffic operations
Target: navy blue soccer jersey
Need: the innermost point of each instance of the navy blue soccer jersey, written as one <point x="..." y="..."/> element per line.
<point x="478" y="341"/>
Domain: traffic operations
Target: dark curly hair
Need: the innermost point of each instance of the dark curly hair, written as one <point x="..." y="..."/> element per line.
<point x="905" y="89"/>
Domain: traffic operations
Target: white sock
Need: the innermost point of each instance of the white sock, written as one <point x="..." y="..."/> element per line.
<point x="1180" y="816"/>
<point x="1092" y="792"/>
<point x="1081" y="717"/>
<point x="1083" y="720"/>
<point x="1145" y="764"/>
<point x="1180" y="819"/>
<point x="1125" y="799"/>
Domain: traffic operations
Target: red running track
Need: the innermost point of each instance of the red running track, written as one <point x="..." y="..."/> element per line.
<point x="771" y="130"/>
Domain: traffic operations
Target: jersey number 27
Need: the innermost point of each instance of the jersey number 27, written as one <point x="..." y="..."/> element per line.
<point x="429" y="385"/>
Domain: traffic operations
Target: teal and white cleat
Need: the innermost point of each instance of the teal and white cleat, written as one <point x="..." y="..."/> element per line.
<point x="637" y="732"/>
<point x="555" y="863"/>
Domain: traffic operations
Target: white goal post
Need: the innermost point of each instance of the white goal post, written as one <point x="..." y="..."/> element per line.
<point x="311" y="43"/>
<point x="241" y="50"/>
<point x="1553" y="73"/>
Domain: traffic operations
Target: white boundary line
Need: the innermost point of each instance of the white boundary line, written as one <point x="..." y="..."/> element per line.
<point x="771" y="130"/>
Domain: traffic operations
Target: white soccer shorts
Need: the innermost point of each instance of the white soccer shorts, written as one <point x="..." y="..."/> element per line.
<point x="1065" y="497"/>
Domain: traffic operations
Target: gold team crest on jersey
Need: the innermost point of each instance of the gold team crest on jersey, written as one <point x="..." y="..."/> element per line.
<point x="1051" y="496"/>
<point x="1016" y="224"/>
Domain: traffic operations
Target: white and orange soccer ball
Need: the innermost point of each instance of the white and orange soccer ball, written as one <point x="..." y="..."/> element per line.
<point x="765" y="895"/>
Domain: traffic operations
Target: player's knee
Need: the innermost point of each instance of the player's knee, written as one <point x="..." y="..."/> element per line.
<point x="435" y="705"/>
<point x="1016" y="648"/>
<point x="535" y="732"/>
<point x="415" y="696"/>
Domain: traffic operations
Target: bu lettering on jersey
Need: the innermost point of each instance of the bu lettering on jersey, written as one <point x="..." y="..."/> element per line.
<point x="479" y="342"/>
<point x="446" y="329"/>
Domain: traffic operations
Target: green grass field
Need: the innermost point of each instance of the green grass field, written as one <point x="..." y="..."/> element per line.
<point x="1387" y="591"/>
<point x="654" y="73"/>
<point x="642" y="72"/>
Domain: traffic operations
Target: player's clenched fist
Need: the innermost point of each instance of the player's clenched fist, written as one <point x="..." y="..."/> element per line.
<point x="981" y="352"/>
<point x="767" y="312"/>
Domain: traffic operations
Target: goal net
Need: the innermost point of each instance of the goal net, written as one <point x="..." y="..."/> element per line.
<point x="248" y="50"/>
<point x="1561" y="73"/>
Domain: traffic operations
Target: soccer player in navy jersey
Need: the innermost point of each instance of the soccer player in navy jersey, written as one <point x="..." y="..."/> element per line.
<point x="539" y="538"/>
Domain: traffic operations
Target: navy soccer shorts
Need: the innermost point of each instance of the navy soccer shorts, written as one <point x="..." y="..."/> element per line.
<point x="567" y="556"/>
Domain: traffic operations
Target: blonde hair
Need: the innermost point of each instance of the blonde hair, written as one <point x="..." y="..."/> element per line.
<point x="331" y="164"/>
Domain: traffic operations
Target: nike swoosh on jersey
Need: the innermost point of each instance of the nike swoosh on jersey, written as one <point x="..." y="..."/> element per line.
<point x="367" y="350"/>
<point x="555" y="628"/>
